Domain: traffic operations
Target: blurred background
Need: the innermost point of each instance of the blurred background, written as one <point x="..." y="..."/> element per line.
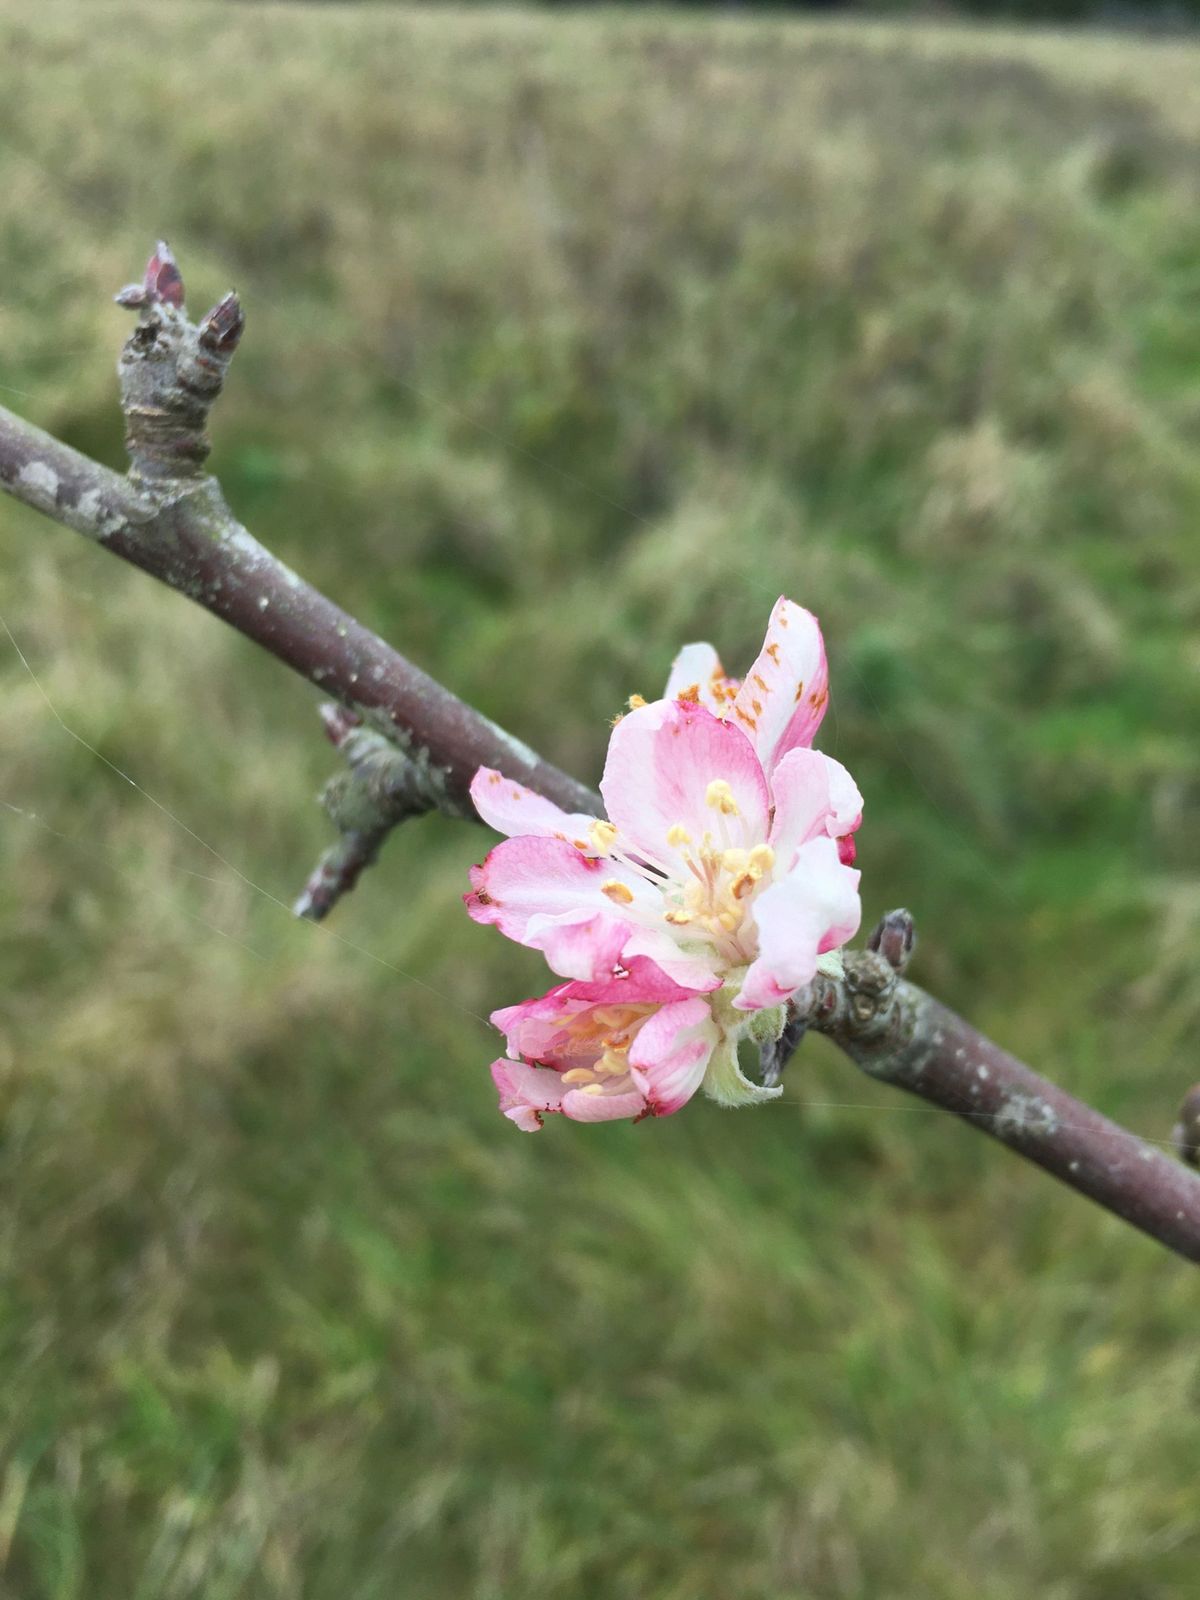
<point x="572" y="337"/>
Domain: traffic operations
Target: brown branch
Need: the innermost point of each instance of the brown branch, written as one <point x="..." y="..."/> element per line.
<point x="172" y="521"/>
<point x="900" y="1035"/>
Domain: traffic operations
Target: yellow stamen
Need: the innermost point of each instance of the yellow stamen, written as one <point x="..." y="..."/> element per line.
<point x="719" y="796"/>
<point x="592" y="1088"/>
<point x="602" y="835"/>
<point x="762" y="858"/>
<point x="578" y="1075"/>
<point x="613" y="1016"/>
<point x="617" y="891"/>
<point x="678" y="835"/>
<point x="679" y="919"/>
<point x="636" y="702"/>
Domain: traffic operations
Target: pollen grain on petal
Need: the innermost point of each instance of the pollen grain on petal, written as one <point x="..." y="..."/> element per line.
<point x="691" y="694"/>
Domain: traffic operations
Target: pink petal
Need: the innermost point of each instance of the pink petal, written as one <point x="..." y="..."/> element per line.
<point x="578" y="947"/>
<point x="610" y="1106"/>
<point x="546" y="894"/>
<point x="670" y="1053"/>
<point x="814" y="797"/>
<point x="512" y="809"/>
<point x="814" y="909"/>
<point x="693" y="969"/>
<point x="697" y="673"/>
<point x="661" y="760"/>
<point x="783" y="696"/>
<point x="526" y="1092"/>
<point x="536" y="1028"/>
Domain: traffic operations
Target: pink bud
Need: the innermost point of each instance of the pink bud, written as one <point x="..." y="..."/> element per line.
<point x="221" y="328"/>
<point x="163" y="281"/>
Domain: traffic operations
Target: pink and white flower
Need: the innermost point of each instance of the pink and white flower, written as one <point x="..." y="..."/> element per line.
<point x="633" y="1046"/>
<point x="722" y="869"/>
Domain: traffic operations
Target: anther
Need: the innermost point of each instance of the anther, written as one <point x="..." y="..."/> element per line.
<point x="719" y="796"/>
<point x="618" y="892"/>
<point x="602" y="834"/>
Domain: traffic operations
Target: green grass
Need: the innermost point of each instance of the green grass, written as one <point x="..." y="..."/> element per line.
<point x="572" y="338"/>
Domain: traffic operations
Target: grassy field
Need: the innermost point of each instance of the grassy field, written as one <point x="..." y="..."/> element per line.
<point x="570" y="340"/>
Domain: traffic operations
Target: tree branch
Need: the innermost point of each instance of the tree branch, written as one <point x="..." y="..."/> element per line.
<point x="900" y="1035"/>
<point x="172" y="521"/>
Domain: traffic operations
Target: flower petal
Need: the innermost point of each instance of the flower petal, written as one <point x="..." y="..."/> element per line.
<point x="546" y="894"/>
<point x="814" y="796"/>
<point x="693" y="969"/>
<point x="783" y="696"/>
<point x="609" y="1106"/>
<point x="698" y="674"/>
<point x="539" y="1029"/>
<point x="513" y="809"/>
<point x="662" y="760"/>
<point x="670" y="1053"/>
<point x="814" y="909"/>
<point x="526" y="1092"/>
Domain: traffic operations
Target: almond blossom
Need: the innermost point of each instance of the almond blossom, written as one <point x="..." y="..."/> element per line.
<point x="686" y="918"/>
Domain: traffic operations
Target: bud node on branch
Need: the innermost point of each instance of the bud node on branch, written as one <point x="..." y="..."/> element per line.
<point x="381" y="787"/>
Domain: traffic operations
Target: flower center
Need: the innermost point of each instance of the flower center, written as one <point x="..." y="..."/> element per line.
<point x="722" y="881"/>
<point x="603" y="1034"/>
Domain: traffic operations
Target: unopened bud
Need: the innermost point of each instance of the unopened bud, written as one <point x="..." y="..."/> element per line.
<point x="221" y="328"/>
<point x="163" y="281"/>
<point x="894" y="936"/>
